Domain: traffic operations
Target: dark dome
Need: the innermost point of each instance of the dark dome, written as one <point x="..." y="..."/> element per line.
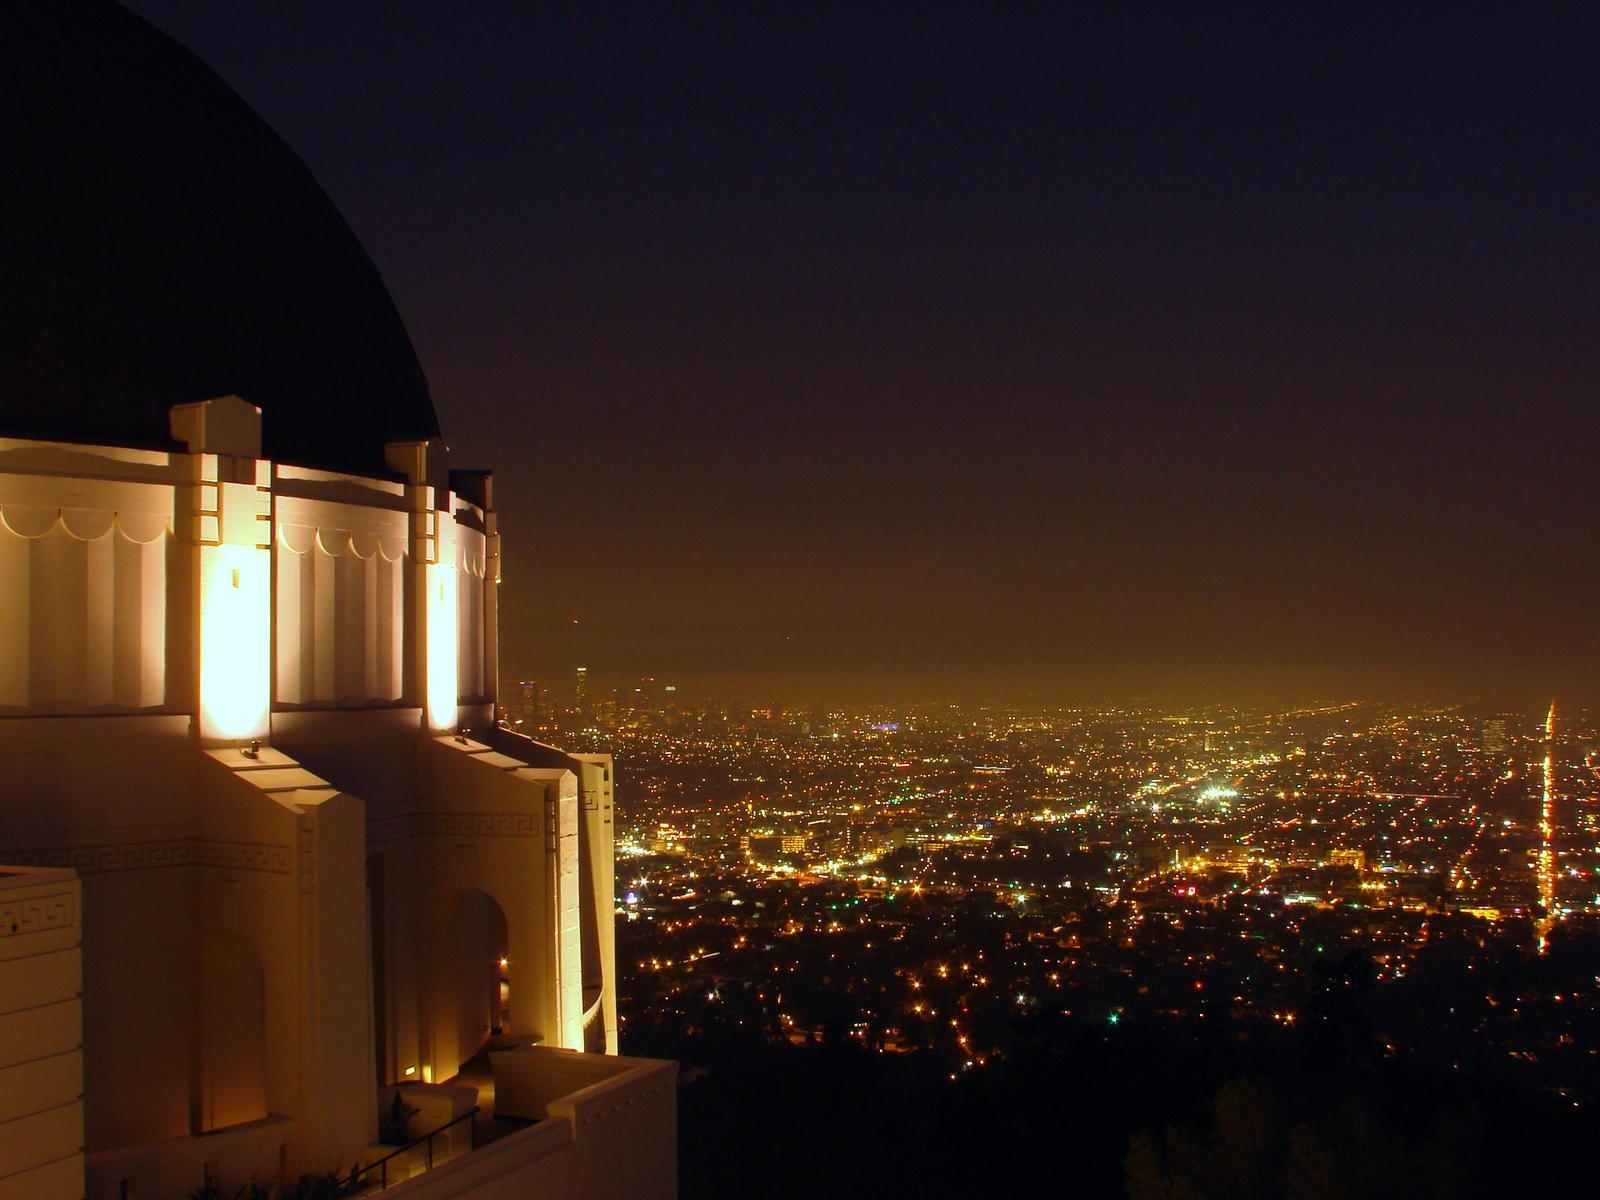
<point x="159" y="243"/>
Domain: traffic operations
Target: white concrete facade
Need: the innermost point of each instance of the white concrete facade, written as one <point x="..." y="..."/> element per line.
<point x="41" y="1035"/>
<point x="252" y="706"/>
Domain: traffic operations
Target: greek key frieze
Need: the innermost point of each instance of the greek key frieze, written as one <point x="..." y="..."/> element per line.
<point x="35" y="914"/>
<point x="479" y="824"/>
<point x="149" y="856"/>
<point x="244" y="856"/>
<point x="454" y="824"/>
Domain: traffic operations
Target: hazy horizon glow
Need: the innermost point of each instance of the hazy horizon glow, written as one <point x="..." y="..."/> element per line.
<point x="930" y="350"/>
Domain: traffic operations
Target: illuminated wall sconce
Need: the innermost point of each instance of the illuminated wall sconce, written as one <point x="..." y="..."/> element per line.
<point x="442" y="633"/>
<point x="410" y="1071"/>
<point x="233" y="528"/>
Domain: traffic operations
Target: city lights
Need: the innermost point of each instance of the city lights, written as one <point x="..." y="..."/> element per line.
<point x="1114" y="869"/>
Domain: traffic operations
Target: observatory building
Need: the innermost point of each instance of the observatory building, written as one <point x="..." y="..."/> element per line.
<point x="278" y="895"/>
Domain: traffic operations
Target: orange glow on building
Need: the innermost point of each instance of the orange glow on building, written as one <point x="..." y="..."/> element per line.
<point x="235" y="641"/>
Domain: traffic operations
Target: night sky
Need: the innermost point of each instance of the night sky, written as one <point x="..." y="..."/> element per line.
<point x="934" y="352"/>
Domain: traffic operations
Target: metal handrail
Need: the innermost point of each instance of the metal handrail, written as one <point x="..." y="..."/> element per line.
<point x="382" y="1164"/>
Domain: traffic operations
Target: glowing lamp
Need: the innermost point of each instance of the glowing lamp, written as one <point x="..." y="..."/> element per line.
<point x="235" y="641"/>
<point x="443" y="690"/>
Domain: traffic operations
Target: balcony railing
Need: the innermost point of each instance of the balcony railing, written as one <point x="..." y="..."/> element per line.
<point x="422" y="1155"/>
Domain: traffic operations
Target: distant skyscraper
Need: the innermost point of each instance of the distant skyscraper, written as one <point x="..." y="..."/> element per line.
<point x="537" y="701"/>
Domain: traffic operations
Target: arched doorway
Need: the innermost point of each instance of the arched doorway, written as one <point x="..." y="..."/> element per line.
<point x="482" y="975"/>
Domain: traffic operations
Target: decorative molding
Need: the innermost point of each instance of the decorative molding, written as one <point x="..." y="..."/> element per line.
<point x="84" y="524"/>
<point x="243" y="856"/>
<point x="268" y="857"/>
<point x="35" y="914"/>
<point x="454" y="824"/>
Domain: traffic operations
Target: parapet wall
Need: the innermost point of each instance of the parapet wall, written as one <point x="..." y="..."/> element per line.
<point x="613" y="1138"/>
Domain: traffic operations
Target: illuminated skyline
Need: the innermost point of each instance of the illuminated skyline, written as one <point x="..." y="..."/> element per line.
<point x="936" y="352"/>
<point x="1358" y="891"/>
